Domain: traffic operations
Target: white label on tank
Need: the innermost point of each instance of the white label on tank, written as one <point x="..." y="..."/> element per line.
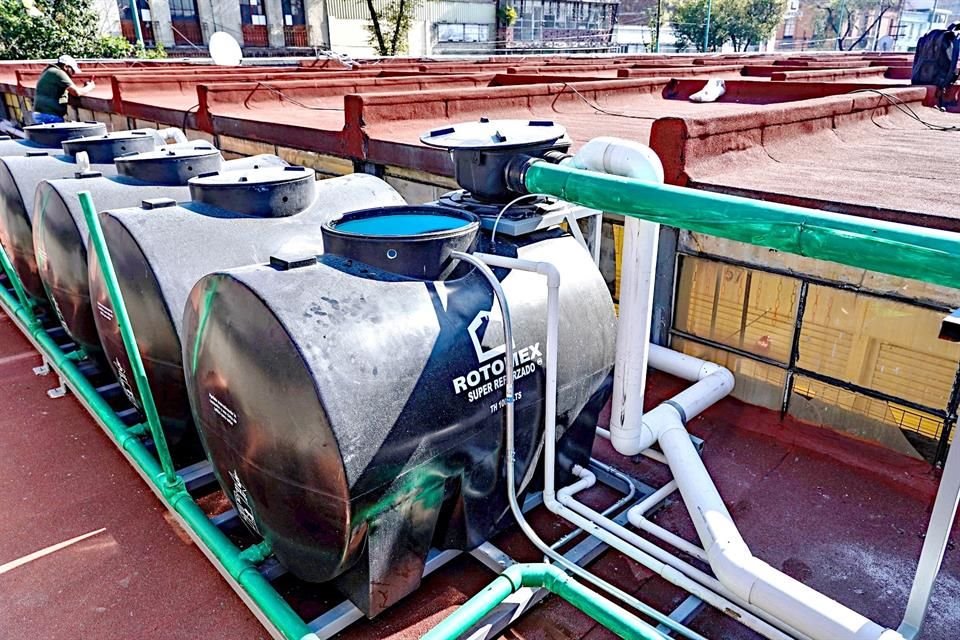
<point x="105" y="311"/>
<point x="491" y="376"/>
<point x="228" y="415"/>
<point x="124" y="382"/>
<point x="241" y="499"/>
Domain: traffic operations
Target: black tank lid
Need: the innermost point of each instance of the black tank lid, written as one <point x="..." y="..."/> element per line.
<point x="106" y="148"/>
<point x="272" y="192"/>
<point x="171" y="165"/>
<point x="53" y="135"/>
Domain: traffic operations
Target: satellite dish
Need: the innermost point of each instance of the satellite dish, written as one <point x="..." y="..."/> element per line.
<point x="886" y="43"/>
<point x="225" y="50"/>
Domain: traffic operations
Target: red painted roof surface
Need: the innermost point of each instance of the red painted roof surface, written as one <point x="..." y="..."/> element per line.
<point x="844" y="516"/>
<point x="811" y="105"/>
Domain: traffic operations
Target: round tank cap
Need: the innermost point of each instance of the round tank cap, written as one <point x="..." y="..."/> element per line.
<point x="104" y="149"/>
<point x="254" y="177"/>
<point x="273" y="192"/>
<point x="170" y="165"/>
<point x="52" y="135"/>
<point x="495" y="134"/>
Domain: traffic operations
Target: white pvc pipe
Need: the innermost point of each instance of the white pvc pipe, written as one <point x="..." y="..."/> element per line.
<point x="640" y="239"/>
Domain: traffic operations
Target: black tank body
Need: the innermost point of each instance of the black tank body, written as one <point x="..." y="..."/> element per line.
<point x="20" y="176"/>
<point x="355" y="417"/>
<point x="60" y="231"/>
<point x="160" y="253"/>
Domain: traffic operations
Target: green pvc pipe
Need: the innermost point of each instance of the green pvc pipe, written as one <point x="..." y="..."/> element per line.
<point x="129" y="340"/>
<point x="923" y="254"/>
<point x="238" y="565"/>
<point x="546" y="576"/>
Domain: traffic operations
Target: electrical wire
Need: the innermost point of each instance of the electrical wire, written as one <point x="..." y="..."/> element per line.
<point x="493" y="233"/>
<point x="293" y="101"/>
<point x="907" y="110"/>
<point x="596" y="107"/>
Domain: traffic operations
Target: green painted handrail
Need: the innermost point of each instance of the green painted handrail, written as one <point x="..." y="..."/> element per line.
<point x="129" y="340"/>
<point x="923" y="254"/>
<point x="545" y="576"/>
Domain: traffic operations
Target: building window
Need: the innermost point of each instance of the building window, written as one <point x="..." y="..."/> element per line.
<point x="789" y="27"/>
<point x="183" y="9"/>
<point x="252" y="12"/>
<point x="463" y="33"/>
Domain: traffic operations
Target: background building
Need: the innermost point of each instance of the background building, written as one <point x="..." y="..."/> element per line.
<point x="438" y="26"/>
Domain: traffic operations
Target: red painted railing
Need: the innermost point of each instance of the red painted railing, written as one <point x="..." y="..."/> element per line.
<point x="295" y="36"/>
<point x="187" y="32"/>
<point x="255" y="35"/>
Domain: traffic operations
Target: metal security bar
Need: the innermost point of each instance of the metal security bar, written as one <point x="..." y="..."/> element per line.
<point x="906" y="414"/>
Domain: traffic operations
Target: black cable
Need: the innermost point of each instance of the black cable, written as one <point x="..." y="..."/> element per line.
<point x="907" y="110"/>
<point x="292" y="100"/>
<point x="600" y="109"/>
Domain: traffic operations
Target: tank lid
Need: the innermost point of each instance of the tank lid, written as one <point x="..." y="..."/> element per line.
<point x="170" y="165"/>
<point x="410" y="240"/>
<point x="105" y="148"/>
<point x="270" y="192"/>
<point x="54" y="134"/>
<point x="488" y="134"/>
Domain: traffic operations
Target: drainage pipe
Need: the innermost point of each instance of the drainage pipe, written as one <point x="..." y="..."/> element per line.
<point x="640" y="240"/>
<point x="923" y="254"/>
<point x="543" y="576"/>
<point x="749" y="578"/>
<point x="270" y="607"/>
<point x="480" y="262"/>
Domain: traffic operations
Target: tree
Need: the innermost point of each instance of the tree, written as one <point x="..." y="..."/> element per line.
<point x="689" y="20"/>
<point x="390" y="25"/>
<point x="850" y="22"/>
<point x="749" y="22"/>
<point x="31" y="29"/>
<point x="743" y="23"/>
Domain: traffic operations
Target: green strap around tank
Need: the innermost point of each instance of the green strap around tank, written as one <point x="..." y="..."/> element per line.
<point x="903" y="250"/>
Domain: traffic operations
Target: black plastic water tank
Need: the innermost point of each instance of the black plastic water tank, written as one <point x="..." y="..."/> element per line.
<point x="20" y="175"/>
<point x="160" y="253"/>
<point x="354" y="416"/>
<point x="60" y="231"/>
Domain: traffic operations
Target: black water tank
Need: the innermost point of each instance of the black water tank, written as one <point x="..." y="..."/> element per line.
<point x="160" y="253"/>
<point x="20" y="175"/>
<point x="60" y="230"/>
<point x="355" y="416"/>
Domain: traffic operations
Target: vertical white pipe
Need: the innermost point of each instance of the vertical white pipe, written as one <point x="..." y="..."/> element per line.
<point x="638" y="268"/>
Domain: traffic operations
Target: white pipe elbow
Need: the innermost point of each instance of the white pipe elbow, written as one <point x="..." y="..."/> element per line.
<point x="633" y="441"/>
<point x="619" y="157"/>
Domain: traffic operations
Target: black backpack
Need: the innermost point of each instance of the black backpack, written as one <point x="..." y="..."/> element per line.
<point x="935" y="62"/>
